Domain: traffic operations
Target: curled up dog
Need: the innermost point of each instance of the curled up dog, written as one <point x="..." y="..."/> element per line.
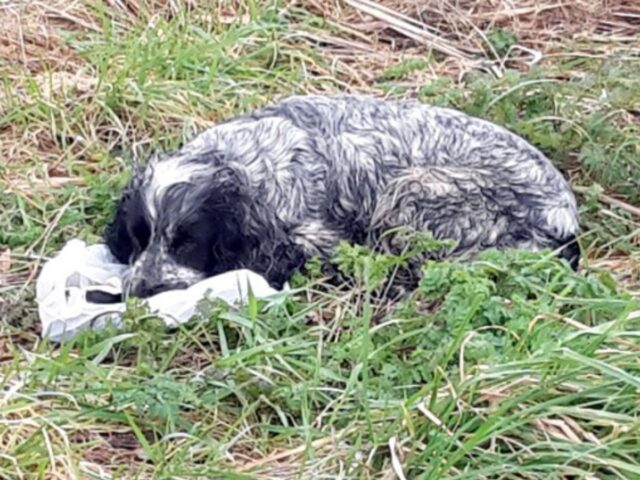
<point x="269" y="190"/>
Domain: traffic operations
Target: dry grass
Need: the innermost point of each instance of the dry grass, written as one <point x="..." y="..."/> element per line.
<point x="362" y="38"/>
<point x="372" y="35"/>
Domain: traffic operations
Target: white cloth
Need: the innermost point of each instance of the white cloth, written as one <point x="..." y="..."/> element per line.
<point x="65" y="280"/>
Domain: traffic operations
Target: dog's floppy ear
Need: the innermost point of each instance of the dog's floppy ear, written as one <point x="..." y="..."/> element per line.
<point x="228" y="203"/>
<point x="247" y="230"/>
<point x="129" y="231"/>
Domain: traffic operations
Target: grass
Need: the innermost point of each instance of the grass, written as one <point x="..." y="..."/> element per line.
<point x="510" y="367"/>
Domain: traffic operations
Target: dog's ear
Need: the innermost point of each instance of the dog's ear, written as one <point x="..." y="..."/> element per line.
<point x="247" y="231"/>
<point x="229" y="203"/>
<point x="129" y="231"/>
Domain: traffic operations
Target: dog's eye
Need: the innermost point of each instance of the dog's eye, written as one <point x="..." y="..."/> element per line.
<point x="191" y="251"/>
<point x="182" y="241"/>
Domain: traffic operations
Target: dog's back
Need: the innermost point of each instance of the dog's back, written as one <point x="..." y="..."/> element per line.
<point x="473" y="181"/>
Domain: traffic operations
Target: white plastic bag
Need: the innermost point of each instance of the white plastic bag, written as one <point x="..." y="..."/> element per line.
<point x="79" y="274"/>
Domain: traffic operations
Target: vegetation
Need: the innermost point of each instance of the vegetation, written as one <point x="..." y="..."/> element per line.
<point x="509" y="367"/>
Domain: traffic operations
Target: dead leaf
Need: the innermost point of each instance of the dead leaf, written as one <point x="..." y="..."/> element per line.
<point x="5" y="261"/>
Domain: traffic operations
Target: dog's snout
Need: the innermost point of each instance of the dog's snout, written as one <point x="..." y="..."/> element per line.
<point x="143" y="288"/>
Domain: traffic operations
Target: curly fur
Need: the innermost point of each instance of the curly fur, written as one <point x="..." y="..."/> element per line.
<point x="268" y="190"/>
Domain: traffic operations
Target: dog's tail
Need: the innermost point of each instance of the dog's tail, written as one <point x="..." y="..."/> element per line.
<point x="570" y="251"/>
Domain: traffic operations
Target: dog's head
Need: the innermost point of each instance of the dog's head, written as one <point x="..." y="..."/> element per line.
<point x="178" y="222"/>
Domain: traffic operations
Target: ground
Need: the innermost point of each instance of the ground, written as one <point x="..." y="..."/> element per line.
<point x="510" y="367"/>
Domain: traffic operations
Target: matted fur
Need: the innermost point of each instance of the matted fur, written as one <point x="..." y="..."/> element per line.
<point x="268" y="190"/>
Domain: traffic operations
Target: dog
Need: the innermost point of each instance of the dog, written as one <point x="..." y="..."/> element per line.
<point x="271" y="189"/>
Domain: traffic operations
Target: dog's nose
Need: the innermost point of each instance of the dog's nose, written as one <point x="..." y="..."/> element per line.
<point x="143" y="288"/>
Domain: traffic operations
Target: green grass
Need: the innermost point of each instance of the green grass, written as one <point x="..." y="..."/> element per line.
<point x="509" y="367"/>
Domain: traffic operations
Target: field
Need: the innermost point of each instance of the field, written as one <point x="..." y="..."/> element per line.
<point x="509" y="367"/>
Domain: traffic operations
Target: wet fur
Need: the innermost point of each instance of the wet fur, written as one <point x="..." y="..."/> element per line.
<point x="268" y="190"/>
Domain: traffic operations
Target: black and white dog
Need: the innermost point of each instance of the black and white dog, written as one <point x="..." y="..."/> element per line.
<point x="269" y="190"/>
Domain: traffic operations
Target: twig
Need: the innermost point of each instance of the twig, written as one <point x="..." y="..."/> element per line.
<point x="395" y="461"/>
<point x="321" y="442"/>
<point x="399" y="24"/>
<point x="604" y="198"/>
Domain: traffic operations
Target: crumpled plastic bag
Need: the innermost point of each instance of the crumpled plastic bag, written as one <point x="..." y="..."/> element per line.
<point x="81" y="288"/>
